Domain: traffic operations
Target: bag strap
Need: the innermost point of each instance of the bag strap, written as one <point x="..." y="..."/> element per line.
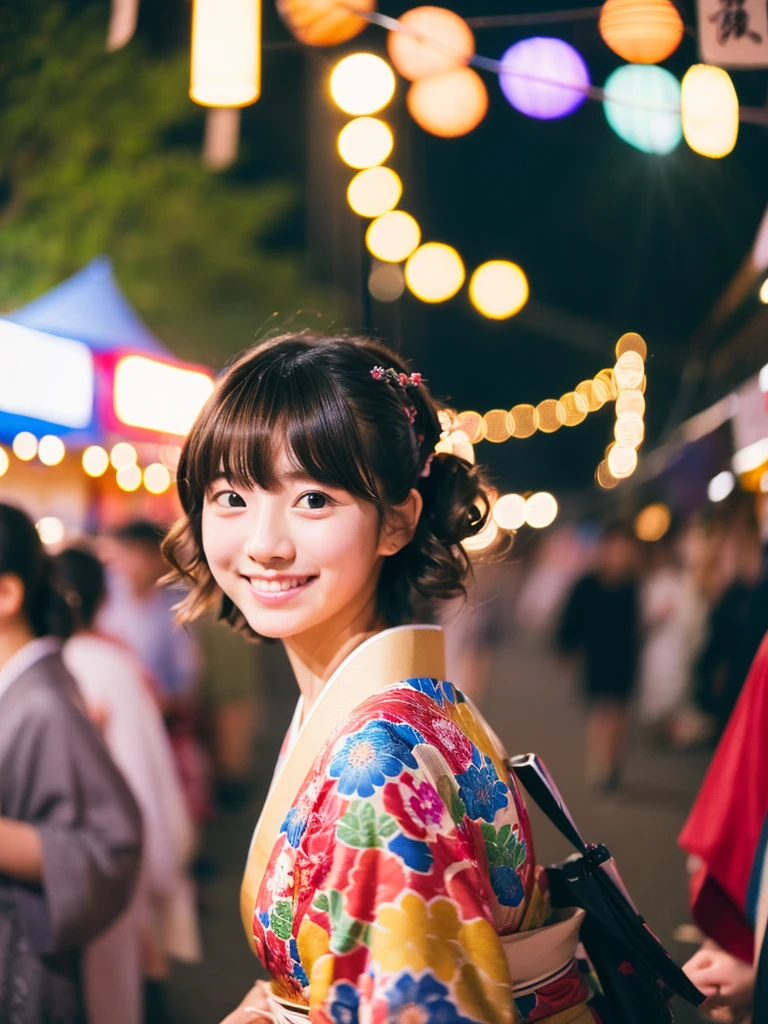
<point x="540" y="786"/>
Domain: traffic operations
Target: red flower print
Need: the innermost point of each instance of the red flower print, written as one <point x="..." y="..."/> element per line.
<point x="277" y="959"/>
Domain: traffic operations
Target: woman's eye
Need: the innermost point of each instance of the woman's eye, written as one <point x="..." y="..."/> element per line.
<point x="314" y="501"/>
<point x="229" y="499"/>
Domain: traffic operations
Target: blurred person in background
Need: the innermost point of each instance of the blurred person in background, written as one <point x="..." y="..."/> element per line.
<point x="70" y="830"/>
<point x="600" y="626"/>
<point x="139" y="612"/>
<point x="162" y="918"/>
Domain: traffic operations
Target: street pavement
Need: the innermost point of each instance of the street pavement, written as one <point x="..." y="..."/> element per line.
<point x="533" y="707"/>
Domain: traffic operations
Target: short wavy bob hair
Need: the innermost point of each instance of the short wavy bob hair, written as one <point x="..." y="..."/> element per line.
<point x="313" y="397"/>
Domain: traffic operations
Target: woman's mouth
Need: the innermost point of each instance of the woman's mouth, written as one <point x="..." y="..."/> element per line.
<point x="278" y="591"/>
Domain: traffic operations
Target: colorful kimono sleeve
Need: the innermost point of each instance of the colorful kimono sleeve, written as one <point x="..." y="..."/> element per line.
<point x="402" y="918"/>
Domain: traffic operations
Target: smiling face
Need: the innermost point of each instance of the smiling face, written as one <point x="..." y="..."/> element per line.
<point x="296" y="557"/>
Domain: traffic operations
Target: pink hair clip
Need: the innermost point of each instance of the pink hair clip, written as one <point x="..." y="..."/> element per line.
<point x="391" y="376"/>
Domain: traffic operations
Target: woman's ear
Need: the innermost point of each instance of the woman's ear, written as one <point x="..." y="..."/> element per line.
<point x="400" y="525"/>
<point x="11" y="595"/>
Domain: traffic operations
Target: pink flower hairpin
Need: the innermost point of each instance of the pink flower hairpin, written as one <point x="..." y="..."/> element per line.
<point x="391" y="376"/>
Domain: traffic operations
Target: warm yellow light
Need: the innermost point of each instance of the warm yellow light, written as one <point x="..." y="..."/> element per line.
<point x="393" y="237"/>
<point x="435" y="272"/>
<point x="622" y="462"/>
<point x="604" y="477"/>
<point x="386" y="282"/>
<point x="629" y="430"/>
<point x="605" y="385"/>
<point x="436" y="41"/>
<point x="226" y="52"/>
<point x="157" y="479"/>
<point x="95" y="460"/>
<point x="448" y="105"/>
<point x="764" y="291"/>
<point x="540" y="510"/>
<point x="630" y="401"/>
<point x="123" y="454"/>
<point x="483" y="540"/>
<point x="50" y="530"/>
<point x="25" y="446"/>
<point x="456" y="443"/>
<point x="4" y="461"/>
<point x="159" y="396"/>
<point x="51" y="450"/>
<point x="575" y="408"/>
<point x="129" y="478"/>
<point x="498" y="289"/>
<point x="374" y="191"/>
<point x="509" y="511"/>
<point x="524" y="420"/>
<point x="365" y="142"/>
<point x="551" y="415"/>
<point x="362" y="83"/>
<point x="628" y="372"/>
<point x="631" y="342"/>
<point x="595" y="394"/>
<point x="497" y="425"/>
<point x="709" y="108"/>
<point x="472" y="424"/>
<point x="652" y="523"/>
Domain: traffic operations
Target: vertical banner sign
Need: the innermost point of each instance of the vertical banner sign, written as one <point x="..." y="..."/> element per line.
<point x="733" y="33"/>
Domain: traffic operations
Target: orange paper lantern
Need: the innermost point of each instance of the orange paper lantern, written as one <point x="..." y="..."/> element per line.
<point x="641" y="31"/>
<point x="323" y="22"/>
<point x="435" y="41"/>
<point x="448" y="105"/>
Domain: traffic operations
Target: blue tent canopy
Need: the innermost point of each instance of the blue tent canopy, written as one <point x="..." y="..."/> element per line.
<point x="90" y="307"/>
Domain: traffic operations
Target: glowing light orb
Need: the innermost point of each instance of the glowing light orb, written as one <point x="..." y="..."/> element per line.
<point x="551" y="415"/>
<point x="362" y="83"/>
<point x="509" y="511"/>
<point x="628" y="372"/>
<point x="157" y="479"/>
<point x="393" y="237"/>
<point x="498" y="289"/>
<point x="764" y="291"/>
<point x="386" y="282"/>
<point x="622" y="462"/>
<point x="540" y="510"/>
<point x="544" y="77"/>
<point x="710" y="111"/>
<point x="472" y="424"/>
<point x="51" y="450"/>
<point x="95" y="460"/>
<point x="129" y="477"/>
<point x="629" y="430"/>
<point x="524" y="420"/>
<point x="437" y="41"/>
<point x="575" y="408"/>
<point x="25" y="446"/>
<point x="5" y="462"/>
<point x="435" y="272"/>
<point x="592" y="395"/>
<point x="374" y="191"/>
<point x="448" y="105"/>
<point x="630" y="401"/>
<point x="226" y="53"/>
<point x="605" y="384"/>
<point x="50" y="529"/>
<point x="631" y="342"/>
<point x="604" y="477"/>
<point x="641" y="31"/>
<point x="365" y="142"/>
<point x="721" y="486"/>
<point x="642" y="105"/>
<point x="497" y="426"/>
<point x="123" y="454"/>
<point x="652" y="523"/>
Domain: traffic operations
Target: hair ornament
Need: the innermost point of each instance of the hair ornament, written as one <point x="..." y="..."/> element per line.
<point x="391" y="376"/>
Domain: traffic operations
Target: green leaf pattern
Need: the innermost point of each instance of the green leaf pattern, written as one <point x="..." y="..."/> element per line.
<point x="504" y="848"/>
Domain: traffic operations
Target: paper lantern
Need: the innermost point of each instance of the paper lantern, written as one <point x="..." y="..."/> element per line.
<point x="393" y="237"/>
<point x="386" y="282"/>
<point x="365" y="142"/>
<point x="642" y="105"/>
<point x="435" y="40"/>
<point x="324" y="22"/>
<point x="374" y="191"/>
<point x="710" y="111"/>
<point x="448" y="105"/>
<point x="435" y="272"/>
<point x="524" y="420"/>
<point x="498" y="289"/>
<point x="226" y="52"/>
<point x="544" y="77"/>
<point x="362" y="83"/>
<point x="641" y="31"/>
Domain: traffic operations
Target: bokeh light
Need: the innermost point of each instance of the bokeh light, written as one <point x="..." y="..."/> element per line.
<point x="25" y="446"/>
<point x="448" y="105"/>
<point x="641" y="31"/>
<point x="575" y="408"/>
<point x="630" y="401"/>
<point x="497" y="426"/>
<point x="95" y="460"/>
<point x="157" y="479"/>
<point x="710" y="111"/>
<point x="642" y="105"/>
<point x="226" y="53"/>
<point x="653" y="522"/>
<point x="123" y="454"/>
<point x="51" y="450"/>
<point x="129" y="477"/>
<point x="764" y="291"/>
<point x="50" y="529"/>
<point x="593" y="394"/>
<point x="437" y="41"/>
<point x="540" y="510"/>
<point x="629" y="430"/>
<point x="5" y="462"/>
<point x="374" y="191"/>
<point x="631" y="342"/>
<point x="544" y="77"/>
<point x="509" y="511"/>
<point x="524" y="420"/>
<point x="628" y="372"/>
<point x="362" y="83"/>
<point x="435" y="272"/>
<point x="365" y="142"/>
<point x="622" y="462"/>
<point x="393" y="237"/>
<point x="604" y="477"/>
<point x="386" y="282"/>
<point x="605" y="383"/>
<point x="473" y="425"/>
<point x="498" y="289"/>
<point x="721" y="486"/>
<point x="551" y="415"/>
<point x="323" y="22"/>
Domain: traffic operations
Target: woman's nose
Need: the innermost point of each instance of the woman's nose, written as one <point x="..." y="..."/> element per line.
<point x="269" y="541"/>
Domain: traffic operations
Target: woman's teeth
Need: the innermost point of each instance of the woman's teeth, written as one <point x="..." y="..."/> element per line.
<point x="275" y="586"/>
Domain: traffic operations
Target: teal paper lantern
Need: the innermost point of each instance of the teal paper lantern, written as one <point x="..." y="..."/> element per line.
<point x="642" y="105"/>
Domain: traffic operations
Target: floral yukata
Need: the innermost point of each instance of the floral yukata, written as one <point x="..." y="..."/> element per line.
<point x="404" y="857"/>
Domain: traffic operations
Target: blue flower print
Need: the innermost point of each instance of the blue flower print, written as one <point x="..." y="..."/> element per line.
<point x="428" y="686"/>
<point x="378" y="750"/>
<point x="481" y="789"/>
<point x="294" y="825"/>
<point x="507" y="886"/>
<point x="344" y="1004"/>
<point x="415" y="854"/>
<point x="298" y="971"/>
<point x="264" y="918"/>
<point x="426" y="995"/>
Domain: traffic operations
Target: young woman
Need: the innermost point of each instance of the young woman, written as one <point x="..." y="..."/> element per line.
<point x="391" y="876"/>
<point x="70" y="831"/>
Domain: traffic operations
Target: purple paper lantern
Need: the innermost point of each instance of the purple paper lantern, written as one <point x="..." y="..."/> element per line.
<point x="544" y="77"/>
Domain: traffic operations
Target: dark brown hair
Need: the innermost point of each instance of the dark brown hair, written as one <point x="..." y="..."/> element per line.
<point x="314" y="397"/>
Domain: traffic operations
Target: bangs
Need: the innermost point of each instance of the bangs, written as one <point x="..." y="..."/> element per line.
<point x="269" y="409"/>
